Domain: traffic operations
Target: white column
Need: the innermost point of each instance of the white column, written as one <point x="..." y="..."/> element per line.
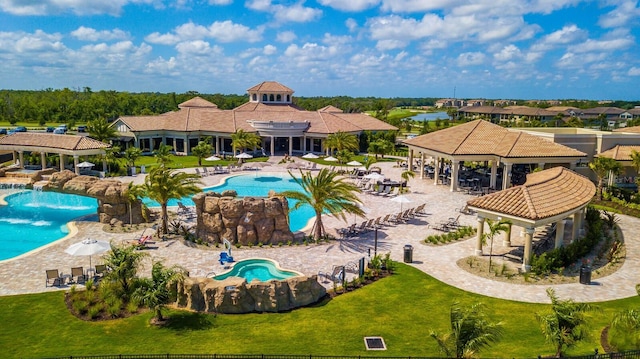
<point x="21" y="158"/>
<point x="61" y="162"/>
<point x="76" y="169"/>
<point x="494" y="174"/>
<point x="43" y="160"/>
<point x="273" y="145"/>
<point x="506" y="241"/>
<point x="304" y="144"/>
<point x="478" y="251"/>
<point x="506" y="176"/>
<point x="217" y="145"/>
<point x="104" y="164"/>
<point x="436" y="170"/>
<point x="290" y="146"/>
<point x="454" y="175"/>
<point x="559" y="233"/>
<point x="526" y="259"/>
<point x="410" y="160"/>
<point x="421" y="165"/>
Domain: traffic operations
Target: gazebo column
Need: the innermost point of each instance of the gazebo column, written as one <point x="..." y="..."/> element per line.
<point x="478" y="251"/>
<point x="21" y="158"/>
<point x="410" y="160"/>
<point x="304" y="144"/>
<point x="61" y="162"/>
<point x="43" y="160"/>
<point x="217" y="145"/>
<point x="273" y="146"/>
<point x="526" y="259"/>
<point x="14" y="157"/>
<point x="186" y="145"/>
<point x="436" y="170"/>
<point x="421" y="165"/>
<point x="494" y="174"/>
<point x="559" y="233"/>
<point x="575" y="231"/>
<point x="541" y="166"/>
<point x="506" y="176"/>
<point x="76" y="169"/>
<point x="506" y="241"/>
<point x="454" y="175"/>
<point x="104" y="164"/>
<point x="290" y="145"/>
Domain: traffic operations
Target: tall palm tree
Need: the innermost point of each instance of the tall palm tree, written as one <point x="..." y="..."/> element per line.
<point x="241" y="140"/>
<point x="565" y="325"/>
<point x="122" y="262"/>
<point x="163" y="155"/>
<point x="471" y="330"/>
<point x="603" y="166"/>
<point x="155" y="292"/>
<point x="406" y="175"/>
<point x="325" y="193"/>
<point x="101" y="130"/>
<point x="341" y="141"/>
<point x="163" y="184"/>
<point x="495" y="228"/>
<point x="380" y="147"/>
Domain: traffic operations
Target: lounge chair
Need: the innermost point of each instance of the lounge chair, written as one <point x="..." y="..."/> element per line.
<point x="225" y="258"/>
<point x="141" y="243"/>
<point x="77" y="275"/>
<point x="420" y="209"/>
<point x="347" y="232"/>
<point x="397" y="218"/>
<point x="198" y="173"/>
<point x="386" y="219"/>
<point x="53" y="278"/>
<point x="182" y="209"/>
<point x="363" y="227"/>
<point x="101" y="269"/>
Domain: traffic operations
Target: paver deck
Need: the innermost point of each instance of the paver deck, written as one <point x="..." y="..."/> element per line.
<point x="25" y="274"/>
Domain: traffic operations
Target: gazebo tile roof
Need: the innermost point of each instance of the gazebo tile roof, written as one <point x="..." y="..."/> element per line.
<point x="64" y="142"/>
<point x="270" y="86"/>
<point x="545" y="194"/>
<point x="620" y="152"/>
<point x="197" y="102"/>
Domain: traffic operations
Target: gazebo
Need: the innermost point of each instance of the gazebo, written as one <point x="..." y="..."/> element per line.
<point x="482" y="140"/>
<point x="547" y="197"/>
<point x="63" y="145"/>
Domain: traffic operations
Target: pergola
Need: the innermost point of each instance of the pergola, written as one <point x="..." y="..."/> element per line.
<point x="547" y="197"/>
<point x="622" y="154"/>
<point x="481" y="141"/>
<point x="44" y="143"/>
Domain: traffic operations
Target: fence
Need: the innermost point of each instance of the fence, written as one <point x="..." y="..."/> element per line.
<point x="630" y="354"/>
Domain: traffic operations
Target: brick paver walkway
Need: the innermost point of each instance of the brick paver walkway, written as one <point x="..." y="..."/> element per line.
<point x="26" y="274"/>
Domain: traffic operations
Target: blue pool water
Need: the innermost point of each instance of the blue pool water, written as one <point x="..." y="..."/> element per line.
<point x="262" y="270"/>
<point x="258" y="186"/>
<point x="34" y="218"/>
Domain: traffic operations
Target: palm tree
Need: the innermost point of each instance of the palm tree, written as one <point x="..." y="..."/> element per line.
<point x="471" y="330"/>
<point x="122" y="262"/>
<point x="380" y="147"/>
<point x="406" y="175"/>
<point x="242" y="140"/>
<point x="131" y="154"/>
<point x="163" y="184"/>
<point x="603" y="166"/>
<point x="495" y="228"/>
<point x="565" y="325"/>
<point x="341" y="141"/>
<point x="202" y="150"/>
<point x="101" y="130"/>
<point x="163" y="155"/>
<point x="325" y="193"/>
<point x="155" y="292"/>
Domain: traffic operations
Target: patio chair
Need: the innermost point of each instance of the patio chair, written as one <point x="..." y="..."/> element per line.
<point x="198" y="173"/>
<point x="53" y="278"/>
<point x="347" y="232"/>
<point x="101" y="269"/>
<point x="397" y="218"/>
<point x="77" y="275"/>
<point x="362" y="228"/>
<point x="391" y="191"/>
<point x="420" y="209"/>
<point x="205" y="173"/>
<point x="386" y="219"/>
<point x="182" y="209"/>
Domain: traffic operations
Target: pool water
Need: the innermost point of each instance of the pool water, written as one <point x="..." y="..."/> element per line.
<point x="258" y="186"/>
<point x="32" y="219"/>
<point x="262" y="270"/>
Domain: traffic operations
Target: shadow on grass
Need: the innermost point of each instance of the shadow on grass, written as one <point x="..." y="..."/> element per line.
<point x="188" y="321"/>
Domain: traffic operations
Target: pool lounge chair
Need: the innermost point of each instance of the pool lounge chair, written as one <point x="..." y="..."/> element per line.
<point x="53" y="278"/>
<point x="225" y="258"/>
<point x="101" y="269"/>
<point x="77" y="275"/>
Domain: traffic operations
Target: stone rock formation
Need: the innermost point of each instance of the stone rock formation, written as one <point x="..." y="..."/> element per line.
<point x="113" y="205"/>
<point x="245" y="221"/>
<point x="234" y="295"/>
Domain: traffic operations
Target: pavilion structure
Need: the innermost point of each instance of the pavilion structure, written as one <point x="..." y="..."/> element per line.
<point x="550" y="196"/>
<point x="622" y="154"/>
<point x="483" y="141"/>
<point x="44" y="143"/>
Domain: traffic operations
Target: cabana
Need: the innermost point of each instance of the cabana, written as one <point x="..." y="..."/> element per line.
<point x="547" y="197"/>
<point x="482" y="141"/>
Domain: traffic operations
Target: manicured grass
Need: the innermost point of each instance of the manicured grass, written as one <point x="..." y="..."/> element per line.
<point x="402" y="309"/>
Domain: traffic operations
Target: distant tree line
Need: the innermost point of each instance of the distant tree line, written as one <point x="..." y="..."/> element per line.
<point x="75" y="106"/>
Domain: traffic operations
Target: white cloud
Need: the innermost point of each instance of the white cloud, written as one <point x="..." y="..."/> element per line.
<point x="567" y="35"/>
<point x="294" y="13"/>
<point x="220" y="2"/>
<point x="39" y="41"/>
<point x="609" y="45"/>
<point x="351" y="24"/>
<point x="508" y="53"/>
<point x="162" y="39"/>
<point x="470" y="59"/>
<point x="78" y="7"/>
<point x="196" y="48"/>
<point x="162" y="66"/>
<point x="258" y="5"/>
<point x="634" y="71"/>
<point x="90" y="34"/>
<point x="309" y="53"/>
<point x="269" y="50"/>
<point x="416" y="5"/>
<point x="350" y="5"/>
<point x="222" y="31"/>
<point x="624" y="12"/>
<point x="286" y="36"/>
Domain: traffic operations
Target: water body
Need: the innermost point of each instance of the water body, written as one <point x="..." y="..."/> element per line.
<point x="431" y="116"/>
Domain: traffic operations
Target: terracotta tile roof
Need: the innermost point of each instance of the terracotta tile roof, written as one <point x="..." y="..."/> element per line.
<point x="633" y="129"/>
<point x="330" y="109"/>
<point x="481" y="137"/>
<point x="270" y="86"/>
<point x="197" y="102"/>
<point x="545" y="194"/>
<point x="64" y="142"/>
<point x="619" y="152"/>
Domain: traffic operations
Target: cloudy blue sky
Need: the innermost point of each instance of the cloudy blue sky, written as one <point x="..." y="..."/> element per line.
<point x="544" y="49"/>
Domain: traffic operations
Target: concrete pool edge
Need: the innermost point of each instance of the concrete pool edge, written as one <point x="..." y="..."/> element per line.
<point x="276" y="265"/>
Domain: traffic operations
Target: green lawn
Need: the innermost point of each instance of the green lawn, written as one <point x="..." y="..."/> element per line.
<point x="402" y="309"/>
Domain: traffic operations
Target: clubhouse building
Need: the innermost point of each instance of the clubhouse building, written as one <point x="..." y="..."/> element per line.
<point x="270" y="113"/>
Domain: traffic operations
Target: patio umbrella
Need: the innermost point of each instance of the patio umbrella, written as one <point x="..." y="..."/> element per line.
<point x="85" y="164"/>
<point x="292" y="166"/>
<point x="244" y="155"/>
<point x="401" y="200"/>
<point x="354" y="163"/>
<point x="331" y="159"/>
<point x="310" y="156"/>
<point x="375" y="176"/>
<point x="212" y="158"/>
<point x="88" y="247"/>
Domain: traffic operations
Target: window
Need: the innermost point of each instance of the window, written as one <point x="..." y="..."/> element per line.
<point x="264" y="98"/>
<point x="271" y="98"/>
<point x="279" y="98"/>
<point x="288" y="99"/>
<point x="255" y="97"/>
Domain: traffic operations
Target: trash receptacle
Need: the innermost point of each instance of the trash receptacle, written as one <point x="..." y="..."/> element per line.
<point x="408" y="253"/>
<point x="142" y="169"/>
<point x="585" y="275"/>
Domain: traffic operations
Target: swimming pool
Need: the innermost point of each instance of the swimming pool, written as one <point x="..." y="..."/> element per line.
<point x="32" y="219"/>
<point x="262" y="270"/>
<point x="258" y="186"/>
